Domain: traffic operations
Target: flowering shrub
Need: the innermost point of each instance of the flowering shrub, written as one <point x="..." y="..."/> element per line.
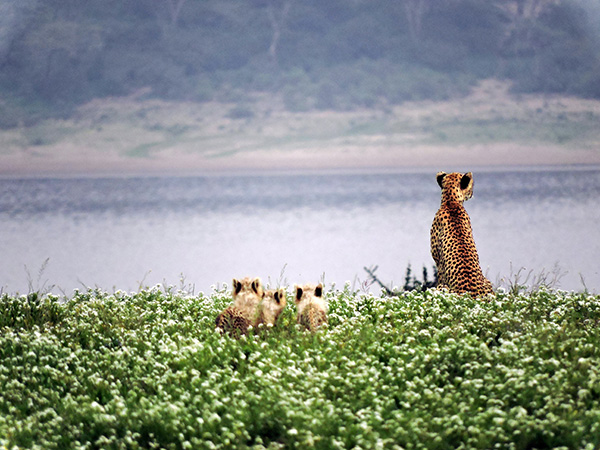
<point x="422" y="370"/>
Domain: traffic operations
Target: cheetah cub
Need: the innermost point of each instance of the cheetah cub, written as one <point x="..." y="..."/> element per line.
<point x="452" y="244"/>
<point x="247" y="297"/>
<point x="271" y="307"/>
<point x="312" y="308"/>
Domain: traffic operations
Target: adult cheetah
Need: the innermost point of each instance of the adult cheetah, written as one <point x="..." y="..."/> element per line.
<point x="452" y="244"/>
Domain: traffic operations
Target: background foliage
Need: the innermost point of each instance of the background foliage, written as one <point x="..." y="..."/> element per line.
<point x="337" y="54"/>
<point x="419" y="370"/>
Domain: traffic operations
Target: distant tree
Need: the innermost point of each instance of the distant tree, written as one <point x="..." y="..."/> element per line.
<point x="171" y="9"/>
<point x="59" y="55"/>
<point x="415" y="10"/>
<point x="277" y="11"/>
<point x="549" y="46"/>
<point x="520" y="26"/>
<point x="349" y="53"/>
<point x="14" y="19"/>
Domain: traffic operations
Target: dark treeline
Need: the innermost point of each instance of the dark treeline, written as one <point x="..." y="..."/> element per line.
<point x="334" y="54"/>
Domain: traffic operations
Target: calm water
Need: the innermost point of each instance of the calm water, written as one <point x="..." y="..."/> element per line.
<point x="123" y="233"/>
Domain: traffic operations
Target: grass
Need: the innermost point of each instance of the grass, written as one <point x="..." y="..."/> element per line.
<point x="420" y="370"/>
<point x="549" y="130"/>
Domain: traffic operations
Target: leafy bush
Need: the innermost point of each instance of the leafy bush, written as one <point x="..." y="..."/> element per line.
<point x="422" y="370"/>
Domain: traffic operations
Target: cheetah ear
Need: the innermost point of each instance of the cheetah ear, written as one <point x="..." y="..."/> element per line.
<point x="299" y="292"/>
<point x="237" y="287"/>
<point x="466" y="181"/>
<point x="440" y="178"/>
<point x="319" y="290"/>
<point x="279" y="295"/>
<point x="256" y="285"/>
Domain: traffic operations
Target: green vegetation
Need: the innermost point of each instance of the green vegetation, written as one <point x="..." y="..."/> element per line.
<point x="548" y="130"/>
<point x="190" y="82"/>
<point x="334" y="55"/>
<point x="155" y="128"/>
<point x="421" y="370"/>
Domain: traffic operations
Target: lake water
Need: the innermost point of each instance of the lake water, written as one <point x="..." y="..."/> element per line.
<point x="200" y="232"/>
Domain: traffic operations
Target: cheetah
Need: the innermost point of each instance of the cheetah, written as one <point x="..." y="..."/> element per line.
<point x="247" y="296"/>
<point x="271" y="307"/>
<point x="312" y="308"/>
<point x="452" y="245"/>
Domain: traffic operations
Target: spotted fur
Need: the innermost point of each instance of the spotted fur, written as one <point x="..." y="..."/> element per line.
<point x="312" y="308"/>
<point x="247" y="296"/>
<point x="452" y="244"/>
<point x="232" y="321"/>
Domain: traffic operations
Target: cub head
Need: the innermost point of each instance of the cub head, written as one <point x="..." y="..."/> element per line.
<point x="248" y="286"/>
<point x="307" y="293"/>
<point x="274" y="302"/>
<point x="277" y="296"/>
<point x="455" y="186"/>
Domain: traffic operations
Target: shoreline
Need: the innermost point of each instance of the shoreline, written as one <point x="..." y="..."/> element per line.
<point x="488" y="128"/>
<point x="264" y="163"/>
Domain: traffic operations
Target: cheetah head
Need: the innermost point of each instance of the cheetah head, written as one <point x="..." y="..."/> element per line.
<point x="275" y="301"/>
<point x="309" y="294"/>
<point x="248" y="286"/>
<point x="456" y="186"/>
<point x="308" y="291"/>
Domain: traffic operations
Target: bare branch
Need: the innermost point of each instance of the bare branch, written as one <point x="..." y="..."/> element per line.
<point x="371" y="272"/>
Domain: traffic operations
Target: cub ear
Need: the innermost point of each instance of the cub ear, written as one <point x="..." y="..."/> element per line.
<point x="466" y="181"/>
<point x="256" y="285"/>
<point x="237" y="287"/>
<point x="279" y="295"/>
<point x="299" y="292"/>
<point x="440" y="178"/>
<point x="319" y="290"/>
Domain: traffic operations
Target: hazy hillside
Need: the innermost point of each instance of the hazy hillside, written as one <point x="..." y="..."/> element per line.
<point x="489" y="126"/>
<point x="334" y="55"/>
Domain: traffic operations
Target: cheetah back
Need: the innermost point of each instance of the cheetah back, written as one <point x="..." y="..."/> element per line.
<point x="312" y="317"/>
<point x="233" y="321"/>
<point x="452" y="244"/>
